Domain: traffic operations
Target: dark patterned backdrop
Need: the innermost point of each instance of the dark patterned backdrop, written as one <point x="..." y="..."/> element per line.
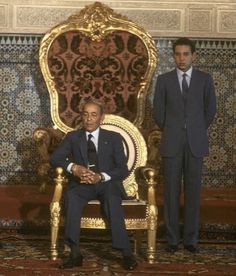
<point x="24" y="105"/>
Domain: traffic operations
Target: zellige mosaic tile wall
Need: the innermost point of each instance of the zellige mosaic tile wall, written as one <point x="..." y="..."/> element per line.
<point x="24" y="105"/>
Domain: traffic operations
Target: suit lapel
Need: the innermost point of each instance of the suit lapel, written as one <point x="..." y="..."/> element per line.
<point x="177" y="88"/>
<point x="102" y="144"/>
<point x="193" y="81"/>
<point x="176" y="83"/>
<point x="83" y="146"/>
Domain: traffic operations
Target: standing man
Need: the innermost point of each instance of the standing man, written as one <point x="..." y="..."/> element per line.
<point x="97" y="165"/>
<point x="184" y="107"/>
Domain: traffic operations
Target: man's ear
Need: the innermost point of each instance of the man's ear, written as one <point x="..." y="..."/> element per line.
<point x="194" y="56"/>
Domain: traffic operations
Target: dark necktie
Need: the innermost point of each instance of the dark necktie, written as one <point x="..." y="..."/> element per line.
<point x="184" y="87"/>
<point x="92" y="155"/>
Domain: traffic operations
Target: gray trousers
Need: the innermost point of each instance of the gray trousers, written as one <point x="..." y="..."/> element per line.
<point x="187" y="169"/>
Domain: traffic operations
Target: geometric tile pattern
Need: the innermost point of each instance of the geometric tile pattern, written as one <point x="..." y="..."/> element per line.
<point x="24" y="105"/>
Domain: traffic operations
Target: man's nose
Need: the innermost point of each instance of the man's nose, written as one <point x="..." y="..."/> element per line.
<point x="89" y="118"/>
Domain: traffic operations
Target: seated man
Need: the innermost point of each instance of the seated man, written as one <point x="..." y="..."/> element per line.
<point x="97" y="165"/>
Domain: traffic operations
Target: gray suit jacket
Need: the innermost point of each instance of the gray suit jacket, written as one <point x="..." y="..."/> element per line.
<point x="169" y="112"/>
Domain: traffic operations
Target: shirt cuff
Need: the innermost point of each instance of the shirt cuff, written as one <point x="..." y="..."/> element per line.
<point x="106" y="176"/>
<point x="69" y="167"/>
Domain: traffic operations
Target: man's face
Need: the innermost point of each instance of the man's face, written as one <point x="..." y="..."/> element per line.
<point x="92" y="117"/>
<point x="183" y="57"/>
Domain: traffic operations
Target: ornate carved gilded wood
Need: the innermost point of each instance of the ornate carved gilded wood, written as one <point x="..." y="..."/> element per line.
<point x="135" y="148"/>
<point x="100" y="54"/>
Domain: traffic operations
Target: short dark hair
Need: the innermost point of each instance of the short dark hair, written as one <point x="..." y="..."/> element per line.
<point x="96" y="102"/>
<point x="184" y="41"/>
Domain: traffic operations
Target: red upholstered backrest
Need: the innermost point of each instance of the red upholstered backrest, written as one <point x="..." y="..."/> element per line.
<point x="110" y="70"/>
<point x="97" y="54"/>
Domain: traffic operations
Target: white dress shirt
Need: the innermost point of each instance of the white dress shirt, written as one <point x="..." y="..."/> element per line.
<point x="188" y="76"/>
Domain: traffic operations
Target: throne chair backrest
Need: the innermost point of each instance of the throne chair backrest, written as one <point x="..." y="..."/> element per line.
<point x="99" y="54"/>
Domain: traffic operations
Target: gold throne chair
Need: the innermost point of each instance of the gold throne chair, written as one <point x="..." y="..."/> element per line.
<point x="100" y="54"/>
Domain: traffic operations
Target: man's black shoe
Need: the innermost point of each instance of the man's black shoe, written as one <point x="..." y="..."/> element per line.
<point x="129" y="262"/>
<point x="172" y="248"/>
<point x="72" y="262"/>
<point x="191" y="248"/>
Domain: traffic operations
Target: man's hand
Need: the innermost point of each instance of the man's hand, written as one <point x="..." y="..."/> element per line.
<point x="96" y="177"/>
<point x="90" y="177"/>
<point x="78" y="170"/>
<point x="86" y="176"/>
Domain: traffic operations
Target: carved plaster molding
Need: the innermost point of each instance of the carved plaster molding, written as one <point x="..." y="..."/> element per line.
<point x="3" y="16"/>
<point x="211" y="19"/>
<point x="227" y="21"/>
<point x="40" y="17"/>
<point x="200" y="20"/>
<point x="162" y="20"/>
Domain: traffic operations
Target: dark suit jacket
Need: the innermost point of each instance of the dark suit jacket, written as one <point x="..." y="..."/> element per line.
<point x="169" y="112"/>
<point x="111" y="157"/>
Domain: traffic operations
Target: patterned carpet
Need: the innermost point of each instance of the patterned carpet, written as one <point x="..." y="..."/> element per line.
<point x="29" y="255"/>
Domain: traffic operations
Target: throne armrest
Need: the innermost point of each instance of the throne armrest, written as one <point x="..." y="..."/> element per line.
<point x="46" y="139"/>
<point x="42" y="138"/>
<point x="149" y="175"/>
